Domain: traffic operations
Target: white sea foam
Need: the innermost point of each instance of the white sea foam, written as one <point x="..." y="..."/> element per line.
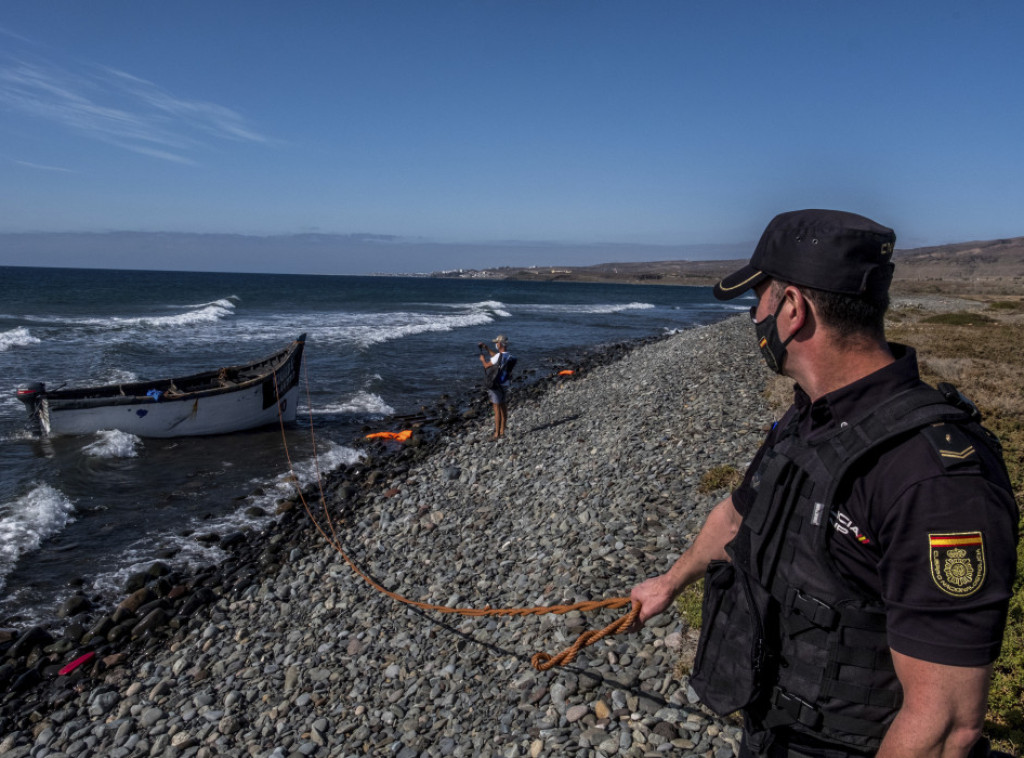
<point x="329" y="457"/>
<point x="227" y="302"/>
<point x="27" y="521"/>
<point x="361" y="402"/>
<point x="201" y="313"/>
<point x="496" y="307"/>
<point x="122" y="376"/>
<point x="19" y="434"/>
<point x="113" y="443"/>
<point x="386" y="327"/>
<point x="589" y="308"/>
<point x="18" y="337"/>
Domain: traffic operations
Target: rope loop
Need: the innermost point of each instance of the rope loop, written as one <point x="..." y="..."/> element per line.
<point x="543" y="661"/>
<point x="540" y="661"/>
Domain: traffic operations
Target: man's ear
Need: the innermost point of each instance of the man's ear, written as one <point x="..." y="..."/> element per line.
<point x="796" y="307"/>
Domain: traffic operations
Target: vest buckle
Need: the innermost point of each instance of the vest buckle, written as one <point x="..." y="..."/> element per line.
<point x="796" y="708"/>
<point x="817" y="612"/>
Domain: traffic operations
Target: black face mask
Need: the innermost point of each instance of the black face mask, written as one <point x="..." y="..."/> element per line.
<point x="773" y="349"/>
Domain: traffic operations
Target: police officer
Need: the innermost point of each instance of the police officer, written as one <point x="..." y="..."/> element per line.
<point x="857" y="581"/>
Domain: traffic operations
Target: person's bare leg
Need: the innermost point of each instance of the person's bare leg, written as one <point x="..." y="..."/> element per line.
<point x="497" y="421"/>
<point x="503" y="414"/>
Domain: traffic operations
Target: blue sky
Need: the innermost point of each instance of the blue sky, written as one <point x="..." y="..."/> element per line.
<point x="660" y="122"/>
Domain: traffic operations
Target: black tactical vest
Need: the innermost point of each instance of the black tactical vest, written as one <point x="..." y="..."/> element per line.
<point x="784" y="637"/>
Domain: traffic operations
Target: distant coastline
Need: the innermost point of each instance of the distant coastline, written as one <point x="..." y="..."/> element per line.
<point x="986" y="268"/>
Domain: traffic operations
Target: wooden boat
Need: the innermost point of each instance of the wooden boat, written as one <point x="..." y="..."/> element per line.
<point x="228" y="399"/>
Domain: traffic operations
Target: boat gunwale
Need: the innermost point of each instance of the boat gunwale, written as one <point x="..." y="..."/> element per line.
<point x="128" y="393"/>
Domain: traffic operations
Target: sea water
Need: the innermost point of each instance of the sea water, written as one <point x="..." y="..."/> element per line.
<point x="81" y="513"/>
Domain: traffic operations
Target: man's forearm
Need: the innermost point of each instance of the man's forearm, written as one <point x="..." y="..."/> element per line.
<point x="717" y="532"/>
<point x="943" y="710"/>
<point x="908" y="738"/>
<point x="657" y="593"/>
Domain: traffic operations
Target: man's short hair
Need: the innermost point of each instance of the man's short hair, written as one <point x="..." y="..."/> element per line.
<point x="849" y="317"/>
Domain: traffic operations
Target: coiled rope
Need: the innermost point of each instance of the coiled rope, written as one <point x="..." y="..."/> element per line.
<point x="540" y="661"/>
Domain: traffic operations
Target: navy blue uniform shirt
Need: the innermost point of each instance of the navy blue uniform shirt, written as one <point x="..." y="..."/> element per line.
<point x="929" y="525"/>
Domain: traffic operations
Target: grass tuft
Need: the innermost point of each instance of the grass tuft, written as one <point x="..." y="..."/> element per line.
<point x="719" y="478"/>
<point x="690" y="602"/>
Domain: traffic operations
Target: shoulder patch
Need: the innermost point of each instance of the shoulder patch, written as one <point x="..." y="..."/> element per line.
<point x="957" y="562"/>
<point x="953" y="447"/>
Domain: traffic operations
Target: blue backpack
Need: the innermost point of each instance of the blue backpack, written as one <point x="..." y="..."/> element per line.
<point x="504" y="371"/>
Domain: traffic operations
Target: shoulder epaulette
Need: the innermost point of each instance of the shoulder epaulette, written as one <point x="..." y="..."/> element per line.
<point x="953" y="447"/>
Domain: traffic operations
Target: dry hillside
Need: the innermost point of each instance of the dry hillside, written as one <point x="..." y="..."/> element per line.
<point x="995" y="267"/>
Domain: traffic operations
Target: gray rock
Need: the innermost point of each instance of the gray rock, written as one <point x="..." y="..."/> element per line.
<point x="284" y="651"/>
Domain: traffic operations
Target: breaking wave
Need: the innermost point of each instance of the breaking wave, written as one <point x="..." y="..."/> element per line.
<point x="16" y="338"/>
<point x="361" y="403"/>
<point x="27" y="521"/>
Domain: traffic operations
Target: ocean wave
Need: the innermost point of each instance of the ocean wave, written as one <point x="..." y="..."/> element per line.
<point x="202" y="313"/>
<point x="18" y="337"/>
<point x="496" y="307"/>
<point x="361" y="403"/>
<point x="113" y="443"/>
<point x="228" y="301"/>
<point x="332" y="456"/>
<point x="387" y="327"/>
<point x="588" y="308"/>
<point x="27" y="521"/>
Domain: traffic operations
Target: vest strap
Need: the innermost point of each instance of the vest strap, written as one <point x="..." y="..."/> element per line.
<point x="865" y="658"/>
<point x="787" y="709"/>
<point x="857" y="694"/>
<point x="864" y="619"/>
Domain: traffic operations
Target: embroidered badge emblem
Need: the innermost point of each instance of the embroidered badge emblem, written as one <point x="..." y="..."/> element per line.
<point x="957" y="562"/>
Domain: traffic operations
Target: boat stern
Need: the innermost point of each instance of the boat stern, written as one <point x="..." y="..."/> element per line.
<point x="33" y="395"/>
<point x="30" y="394"/>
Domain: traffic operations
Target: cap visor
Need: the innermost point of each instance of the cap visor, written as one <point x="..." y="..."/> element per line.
<point x="739" y="282"/>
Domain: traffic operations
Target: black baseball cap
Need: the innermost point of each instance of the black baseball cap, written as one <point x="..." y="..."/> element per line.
<point x="833" y="251"/>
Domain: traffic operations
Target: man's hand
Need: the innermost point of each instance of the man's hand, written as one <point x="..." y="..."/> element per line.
<point x="654" y="596"/>
<point x="657" y="593"/>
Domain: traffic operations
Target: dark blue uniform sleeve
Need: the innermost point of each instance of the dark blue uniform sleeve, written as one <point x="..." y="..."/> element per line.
<point x="947" y="565"/>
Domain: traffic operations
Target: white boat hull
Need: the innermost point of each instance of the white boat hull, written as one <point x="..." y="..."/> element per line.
<point x="230" y="399"/>
<point x="216" y="414"/>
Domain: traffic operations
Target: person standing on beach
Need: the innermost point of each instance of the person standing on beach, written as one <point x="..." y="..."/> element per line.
<point x="498" y="391"/>
<point x="857" y="580"/>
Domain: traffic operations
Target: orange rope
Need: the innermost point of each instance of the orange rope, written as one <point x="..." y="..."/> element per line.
<point x="540" y="661"/>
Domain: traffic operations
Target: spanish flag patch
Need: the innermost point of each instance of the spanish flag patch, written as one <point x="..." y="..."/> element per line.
<point x="957" y="562"/>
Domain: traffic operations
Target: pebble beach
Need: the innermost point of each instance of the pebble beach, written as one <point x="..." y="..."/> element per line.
<point x="284" y="650"/>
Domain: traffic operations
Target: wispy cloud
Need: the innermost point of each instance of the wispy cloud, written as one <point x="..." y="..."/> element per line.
<point x="120" y="109"/>
<point x="39" y="167"/>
